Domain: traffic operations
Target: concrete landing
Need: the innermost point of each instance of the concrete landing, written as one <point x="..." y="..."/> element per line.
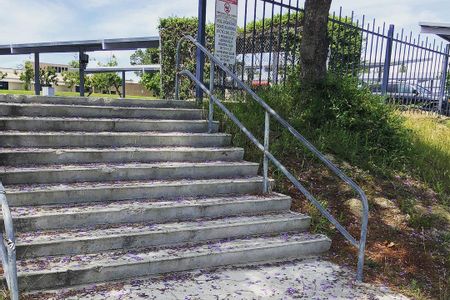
<point x="300" y="279"/>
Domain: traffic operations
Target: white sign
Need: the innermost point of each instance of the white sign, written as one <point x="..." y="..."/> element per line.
<point x="226" y="31"/>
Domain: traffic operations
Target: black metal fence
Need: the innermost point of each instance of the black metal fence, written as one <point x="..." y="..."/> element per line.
<point x="411" y="71"/>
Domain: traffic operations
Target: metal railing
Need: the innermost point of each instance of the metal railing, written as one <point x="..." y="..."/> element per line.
<point x="269" y="112"/>
<point x="8" y="248"/>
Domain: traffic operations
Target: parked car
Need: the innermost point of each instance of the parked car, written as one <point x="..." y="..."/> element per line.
<point x="407" y="94"/>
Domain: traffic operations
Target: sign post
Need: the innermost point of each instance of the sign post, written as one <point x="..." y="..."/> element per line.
<point x="225" y="31"/>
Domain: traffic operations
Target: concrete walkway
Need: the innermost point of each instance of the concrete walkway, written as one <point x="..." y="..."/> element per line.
<point x="312" y="278"/>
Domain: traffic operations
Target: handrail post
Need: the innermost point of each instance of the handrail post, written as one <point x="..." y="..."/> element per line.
<point x="211" y="101"/>
<point x="266" y="150"/>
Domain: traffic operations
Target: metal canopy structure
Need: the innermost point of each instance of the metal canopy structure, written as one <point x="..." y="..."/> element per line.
<point x="440" y="29"/>
<point x="123" y="70"/>
<point x="137" y="68"/>
<point x="80" y="47"/>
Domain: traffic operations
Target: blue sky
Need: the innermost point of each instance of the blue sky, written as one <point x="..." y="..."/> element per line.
<point x="52" y="20"/>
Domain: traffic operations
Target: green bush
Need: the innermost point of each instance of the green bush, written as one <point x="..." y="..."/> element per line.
<point x="170" y="31"/>
<point x="345" y="44"/>
<point x="338" y="118"/>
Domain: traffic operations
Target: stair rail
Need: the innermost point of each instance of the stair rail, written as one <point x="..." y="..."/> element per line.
<point x="269" y="112"/>
<point x="8" y="248"/>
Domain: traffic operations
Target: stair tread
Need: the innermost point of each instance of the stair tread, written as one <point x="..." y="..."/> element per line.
<point x="66" y="263"/>
<point x="114" y="149"/>
<point x="108" y="133"/>
<point x="133" y="205"/>
<point x="97" y="119"/>
<point x="97" y="101"/>
<point x="142" y="108"/>
<point x="27" y="188"/>
<point x="110" y="167"/>
<point x="95" y="233"/>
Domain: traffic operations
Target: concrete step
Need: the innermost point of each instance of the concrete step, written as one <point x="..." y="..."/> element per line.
<point x="131" y="171"/>
<point x="111" y="139"/>
<point x="92" y="101"/>
<point x="34" y="218"/>
<point x="98" y="125"/>
<point x="60" y="271"/>
<point x="60" y="110"/>
<point x="35" y="195"/>
<point x="142" y="235"/>
<point x="46" y="156"/>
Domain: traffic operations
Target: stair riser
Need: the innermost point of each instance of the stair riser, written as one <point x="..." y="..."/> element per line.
<point x="158" y="239"/>
<point x="152" y="214"/>
<point x="98" y="126"/>
<point x="98" y="101"/>
<point x="79" y="140"/>
<point x="132" y="173"/>
<point x="144" y="268"/>
<point x="81" y="195"/>
<point x="84" y="157"/>
<point x="11" y="110"/>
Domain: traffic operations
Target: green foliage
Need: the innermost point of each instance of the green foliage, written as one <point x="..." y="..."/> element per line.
<point x="339" y="111"/>
<point x="103" y="82"/>
<point x="27" y="75"/>
<point x="3" y="75"/>
<point x="170" y="31"/>
<point x="345" y="43"/>
<point x="48" y="77"/>
<point x="151" y="81"/>
<point x="145" y="57"/>
<point x="338" y="117"/>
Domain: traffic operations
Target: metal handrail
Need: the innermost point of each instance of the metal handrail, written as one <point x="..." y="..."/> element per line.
<point x="8" y="247"/>
<point x="265" y="147"/>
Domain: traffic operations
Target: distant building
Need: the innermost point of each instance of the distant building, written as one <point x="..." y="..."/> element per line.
<point x="12" y="81"/>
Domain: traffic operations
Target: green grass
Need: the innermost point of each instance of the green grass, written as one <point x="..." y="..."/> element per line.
<point x="431" y="150"/>
<point x="74" y="94"/>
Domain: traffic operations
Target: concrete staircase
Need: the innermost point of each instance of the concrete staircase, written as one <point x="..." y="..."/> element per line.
<point x="104" y="190"/>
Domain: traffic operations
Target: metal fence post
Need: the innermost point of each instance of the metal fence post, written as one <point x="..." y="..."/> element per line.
<point x="200" y="58"/>
<point x="266" y="150"/>
<point x="387" y="59"/>
<point x="444" y="77"/>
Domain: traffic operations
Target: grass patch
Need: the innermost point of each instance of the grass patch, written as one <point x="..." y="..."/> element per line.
<point x="430" y="157"/>
<point x="73" y="94"/>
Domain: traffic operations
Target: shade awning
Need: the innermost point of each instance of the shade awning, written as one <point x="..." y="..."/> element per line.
<point x="81" y="46"/>
<point x="440" y="29"/>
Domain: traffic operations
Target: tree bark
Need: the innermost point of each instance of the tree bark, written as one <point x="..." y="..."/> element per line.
<point x="314" y="43"/>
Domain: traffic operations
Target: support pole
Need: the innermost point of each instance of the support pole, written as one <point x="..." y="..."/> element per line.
<point x="443" y="82"/>
<point x="200" y="58"/>
<point x="81" y="75"/>
<point x="37" y="80"/>
<point x="387" y="60"/>
<point x="83" y="60"/>
<point x="123" y="84"/>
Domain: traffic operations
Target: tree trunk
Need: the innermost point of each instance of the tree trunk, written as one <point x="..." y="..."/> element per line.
<point x="314" y="43"/>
